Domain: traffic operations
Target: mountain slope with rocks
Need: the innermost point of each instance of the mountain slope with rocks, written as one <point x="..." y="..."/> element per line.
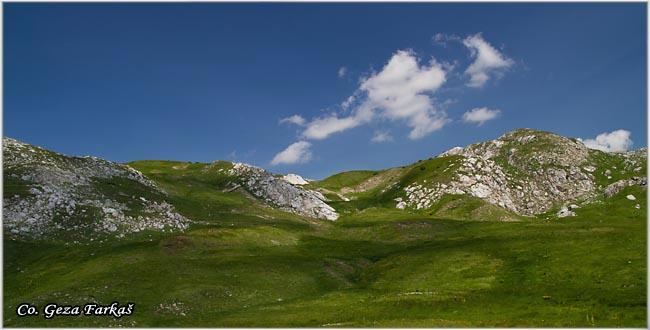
<point x="47" y="194"/>
<point x="421" y="245"/>
<point x="236" y="188"/>
<point x="524" y="172"/>
<point x="281" y="192"/>
<point x="520" y="174"/>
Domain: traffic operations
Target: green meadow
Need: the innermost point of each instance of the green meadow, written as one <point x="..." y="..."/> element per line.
<point x="242" y="264"/>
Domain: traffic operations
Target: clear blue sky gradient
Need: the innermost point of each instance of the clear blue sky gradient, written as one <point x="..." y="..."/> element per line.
<point x="200" y="82"/>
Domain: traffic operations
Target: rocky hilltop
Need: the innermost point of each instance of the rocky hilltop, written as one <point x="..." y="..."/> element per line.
<point x="522" y="173"/>
<point x="528" y="171"/>
<point x="525" y="172"/>
<point x="47" y="193"/>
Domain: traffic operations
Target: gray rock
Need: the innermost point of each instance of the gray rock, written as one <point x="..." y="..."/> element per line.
<point x="281" y="193"/>
<point x="565" y="212"/>
<point x="62" y="186"/>
<point x="619" y="185"/>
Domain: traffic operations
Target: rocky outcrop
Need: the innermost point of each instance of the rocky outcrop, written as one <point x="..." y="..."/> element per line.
<point x="619" y="185"/>
<point x="524" y="171"/>
<point x="295" y="179"/>
<point x="565" y="211"/>
<point x="282" y="194"/>
<point x="514" y="172"/>
<point x="63" y="195"/>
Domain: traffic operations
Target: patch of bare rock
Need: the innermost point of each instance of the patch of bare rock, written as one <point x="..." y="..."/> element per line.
<point x="279" y="192"/>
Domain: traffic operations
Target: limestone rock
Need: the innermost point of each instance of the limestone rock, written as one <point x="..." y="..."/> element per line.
<point x="525" y="171"/>
<point x="295" y="179"/>
<point x="565" y="212"/>
<point x="62" y="187"/>
<point x="282" y="194"/>
<point x="619" y="185"/>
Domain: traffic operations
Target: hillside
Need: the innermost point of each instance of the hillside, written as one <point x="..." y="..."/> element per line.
<point x="522" y="173"/>
<point x="49" y="195"/>
<point x="412" y="246"/>
<point x="222" y="178"/>
<point x="53" y="196"/>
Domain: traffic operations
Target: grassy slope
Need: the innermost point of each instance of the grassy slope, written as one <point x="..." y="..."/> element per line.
<point x="379" y="202"/>
<point x="247" y="265"/>
<point x="343" y="179"/>
<point x="200" y="192"/>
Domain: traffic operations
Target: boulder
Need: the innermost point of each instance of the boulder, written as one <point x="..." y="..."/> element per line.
<point x="565" y="212"/>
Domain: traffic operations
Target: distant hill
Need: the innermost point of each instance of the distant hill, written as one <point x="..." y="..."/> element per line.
<point x="529" y="230"/>
<point x="522" y="173"/>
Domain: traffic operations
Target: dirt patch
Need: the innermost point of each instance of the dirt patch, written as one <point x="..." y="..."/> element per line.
<point x="412" y="224"/>
<point x="346" y="271"/>
<point x="338" y="276"/>
<point x="374" y="181"/>
<point x="176" y="244"/>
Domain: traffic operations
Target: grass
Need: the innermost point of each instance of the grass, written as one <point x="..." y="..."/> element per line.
<point x="246" y="265"/>
<point x="579" y="272"/>
<point x="616" y="165"/>
<point x="344" y="179"/>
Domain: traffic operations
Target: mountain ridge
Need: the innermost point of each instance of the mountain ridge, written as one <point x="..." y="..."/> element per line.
<point x="524" y="172"/>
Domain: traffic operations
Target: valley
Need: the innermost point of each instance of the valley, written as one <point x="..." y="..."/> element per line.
<point x="449" y="241"/>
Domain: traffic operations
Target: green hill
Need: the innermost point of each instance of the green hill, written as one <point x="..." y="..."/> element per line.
<point x="462" y="261"/>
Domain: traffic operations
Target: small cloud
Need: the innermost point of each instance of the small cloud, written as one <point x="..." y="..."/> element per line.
<point x="487" y="60"/>
<point x="442" y="39"/>
<point x="295" y="119"/>
<point x="480" y="115"/>
<point x="616" y="141"/>
<point x="447" y="103"/>
<point x="297" y="153"/>
<point x="236" y="156"/>
<point x="323" y="127"/>
<point x="342" y="71"/>
<point x="345" y="105"/>
<point x="381" y="136"/>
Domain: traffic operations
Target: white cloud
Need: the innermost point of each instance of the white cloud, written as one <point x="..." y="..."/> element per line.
<point x="616" y="141"/>
<point x="487" y="60"/>
<point x="399" y="92"/>
<point x="381" y="136"/>
<point x="345" y="105"/>
<point x="342" y="71"/>
<point x="236" y="156"/>
<point x="403" y="91"/>
<point x="323" y="127"/>
<point x="297" y="153"/>
<point x="480" y="115"/>
<point x="295" y="119"/>
<point x="442" y="39"/>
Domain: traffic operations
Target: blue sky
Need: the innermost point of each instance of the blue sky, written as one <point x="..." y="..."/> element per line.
<point x="200" y="82"/>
